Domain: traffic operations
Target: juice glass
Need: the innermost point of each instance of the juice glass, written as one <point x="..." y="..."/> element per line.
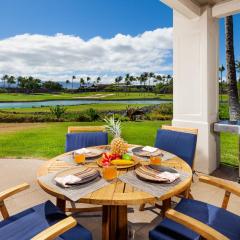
<point x="155" y="160"/>
<point x="109" y="172"/>
<point x="79" y="158"/>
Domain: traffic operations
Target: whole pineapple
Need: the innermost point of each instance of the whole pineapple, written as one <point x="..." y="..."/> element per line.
<point x="118" y="145"/>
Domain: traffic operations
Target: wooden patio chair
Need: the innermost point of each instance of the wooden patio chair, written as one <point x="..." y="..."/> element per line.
<point x="186" y="151"/>
<point x="85" y="136"/>
<point x="92" y="140"/>
<point x="78" y="129"/>
<point x="42" y="222"/>
<point x="192" y="219"/>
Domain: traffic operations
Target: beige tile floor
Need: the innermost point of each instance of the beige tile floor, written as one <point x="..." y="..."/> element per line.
<point x="16" y="171"/>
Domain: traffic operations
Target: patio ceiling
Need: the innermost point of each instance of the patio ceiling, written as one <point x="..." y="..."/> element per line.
<point x="204" y="2"/>
<point x="193" y="8"/>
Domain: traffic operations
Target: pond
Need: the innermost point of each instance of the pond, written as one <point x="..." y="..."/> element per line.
<point x="4" y="105"/>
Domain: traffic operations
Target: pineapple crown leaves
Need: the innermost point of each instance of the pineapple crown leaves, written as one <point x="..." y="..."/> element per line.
<point x="113" y="126"/>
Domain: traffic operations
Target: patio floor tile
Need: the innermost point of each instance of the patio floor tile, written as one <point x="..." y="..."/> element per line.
<point x="16" y="171"/>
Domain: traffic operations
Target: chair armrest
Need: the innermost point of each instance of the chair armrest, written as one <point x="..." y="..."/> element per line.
<point x="202" y="229"/>
<point x="56" y="230"/>
<point x="217" y="182"/>
<point x="13" y="190"/>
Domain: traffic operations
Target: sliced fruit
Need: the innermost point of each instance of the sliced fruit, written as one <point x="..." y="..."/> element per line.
<point x="121" y="162"/>
<point x="126" y="157"/>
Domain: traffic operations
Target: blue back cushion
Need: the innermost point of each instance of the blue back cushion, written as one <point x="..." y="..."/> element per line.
<point x="86" y="139"/>
<point x="179" y="143"/>
<point x="27" y="224"/>
<point x="223" y="221"/>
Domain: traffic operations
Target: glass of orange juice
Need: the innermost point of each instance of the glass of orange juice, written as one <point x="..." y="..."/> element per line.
<point x="109" y="172"/>
<point x="155" y="160"/>
<point x="79" y="158"/>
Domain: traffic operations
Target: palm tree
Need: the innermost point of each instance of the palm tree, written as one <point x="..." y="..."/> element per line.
<point x="82" y="82"/>
<point x="221" y="69"/>
<point x="127" y="81"/>
<point x="98" y="81"/>
<point x="67" y="83"/>
<point x="117" y="82"/>
<point x="73" y="77"/>
<point x="234" y="106"/>
<point x="10" y="81"/>
<point x="150" y="76"/>
<point x="19" y="80"/>
<point x="88" y="81"/>
<point x="4" y="79"/>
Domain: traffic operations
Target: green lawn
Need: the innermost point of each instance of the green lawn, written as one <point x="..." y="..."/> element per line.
<point x="47" y="140"/>
<point x="20" y="97"/>
<point x="78" y="108"/>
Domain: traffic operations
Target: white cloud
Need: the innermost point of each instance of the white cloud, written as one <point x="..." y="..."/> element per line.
<point x="60" y="56"/>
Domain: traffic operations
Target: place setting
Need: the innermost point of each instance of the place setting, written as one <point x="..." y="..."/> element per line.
<point x="146" y="152"/>
<point x="75" y="182"/>
<point x="154" y="178"/>
<point x="79" y="156"/>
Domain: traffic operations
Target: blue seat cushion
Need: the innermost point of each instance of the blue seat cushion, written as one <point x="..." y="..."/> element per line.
<point x="86" y="139"/>
<point x="27" y="224"/>
<point x="220" y="219"/>
<point x="179" y="143"/>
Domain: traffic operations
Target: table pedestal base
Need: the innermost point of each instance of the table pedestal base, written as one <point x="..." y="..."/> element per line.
<point x="114" y="223"/>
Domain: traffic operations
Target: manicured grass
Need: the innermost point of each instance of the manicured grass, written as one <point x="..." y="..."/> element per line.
<point x="20" y="97"/>
<point x="229" y="149"/>
<point x="79" y="108"/>
<point x="47" y="140"/>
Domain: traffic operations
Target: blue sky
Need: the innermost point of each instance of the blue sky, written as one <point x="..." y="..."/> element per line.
<point x="90" y="26"/>
<point x="86" y="18"/>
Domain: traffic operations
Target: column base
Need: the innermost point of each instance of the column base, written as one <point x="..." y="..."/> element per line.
<point x="206" y="160"/>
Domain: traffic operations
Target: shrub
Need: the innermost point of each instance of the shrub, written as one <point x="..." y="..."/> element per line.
<point x="166" y="108"/>
<point x="223" y="111"/>
<point x="57" y="111"/>
<point x="83" y="117"/>
<point x="158" y="116"/>
<point x="121" y="117"/>
<point x="3" y="90"/>
<point x="92" y="114"/>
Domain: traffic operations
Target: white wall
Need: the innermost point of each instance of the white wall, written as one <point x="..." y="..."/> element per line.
<point x="195" y="94"/>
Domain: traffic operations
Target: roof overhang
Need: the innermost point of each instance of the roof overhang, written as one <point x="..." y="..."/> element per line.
<point x="193" y="8"/>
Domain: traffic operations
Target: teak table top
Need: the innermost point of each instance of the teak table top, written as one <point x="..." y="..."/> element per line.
<point x="117" y="193"/>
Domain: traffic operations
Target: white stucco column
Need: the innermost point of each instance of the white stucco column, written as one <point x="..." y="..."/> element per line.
<point x="195" y="94"/>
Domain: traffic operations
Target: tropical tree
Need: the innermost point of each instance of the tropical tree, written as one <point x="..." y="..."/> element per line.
<point x="73" y="77"/>
<point x="19" y="79"/>
<point x="98" y="81"/>
<point x="52" y="86"/>
<point x="67" y="83"/>
<point x="127" y="82"/>
<point x="117" y="82"/>
<point x="221" y="69"/>
<point x="30" y="84"/>
<point x="4" y="79"/>
<point x="234" y="106"/>
<point x="150" y="76"/>
<point x="82" y="82"/>
<point x="10" y="81"/>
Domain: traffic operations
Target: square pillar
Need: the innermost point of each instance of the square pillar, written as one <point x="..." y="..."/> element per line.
<point x="195" y="85"/>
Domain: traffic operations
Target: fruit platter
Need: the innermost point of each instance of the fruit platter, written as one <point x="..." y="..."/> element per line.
<point x="120" y="161"/>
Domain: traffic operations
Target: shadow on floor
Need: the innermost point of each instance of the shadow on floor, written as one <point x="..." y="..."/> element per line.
<point x="227" y="172"/>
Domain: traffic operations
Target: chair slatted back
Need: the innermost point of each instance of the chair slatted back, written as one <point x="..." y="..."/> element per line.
<point x="78" y="129"/>
<point x="179" y="141"/>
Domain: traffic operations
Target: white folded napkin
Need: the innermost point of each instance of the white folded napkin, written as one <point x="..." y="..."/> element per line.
<point x="171" y="177"/>
<point x="69" y="179"/>
<point x="150" y="149"/>
<point x="82" y="151"/>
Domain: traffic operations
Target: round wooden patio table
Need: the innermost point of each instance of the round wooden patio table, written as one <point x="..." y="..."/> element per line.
<point x="115" y="197"/>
